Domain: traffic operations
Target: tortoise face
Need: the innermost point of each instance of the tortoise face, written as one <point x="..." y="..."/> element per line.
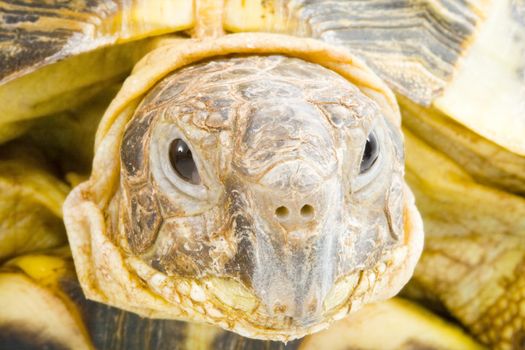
<point x="270" y="178"/>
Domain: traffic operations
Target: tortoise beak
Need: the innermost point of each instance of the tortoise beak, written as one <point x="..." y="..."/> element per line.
<point x="295" y="241"/>
<point x="294" y="283"/>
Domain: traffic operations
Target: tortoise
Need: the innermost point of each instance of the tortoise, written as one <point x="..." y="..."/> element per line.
<point x="249" y="173"/>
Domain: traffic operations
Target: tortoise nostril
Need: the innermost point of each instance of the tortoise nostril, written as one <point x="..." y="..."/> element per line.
<point x="282" y="212"/>
<point x="307" y="211"/>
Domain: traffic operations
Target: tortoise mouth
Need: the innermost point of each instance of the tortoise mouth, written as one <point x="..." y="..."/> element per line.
<point x="347" y="294"/>
<point x="232" y="305"/>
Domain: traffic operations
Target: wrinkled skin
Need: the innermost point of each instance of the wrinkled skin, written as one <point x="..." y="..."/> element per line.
<point x="265" y="132"/>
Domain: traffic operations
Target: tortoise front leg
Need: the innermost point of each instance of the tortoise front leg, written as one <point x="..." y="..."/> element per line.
<point x="474" y="258"/>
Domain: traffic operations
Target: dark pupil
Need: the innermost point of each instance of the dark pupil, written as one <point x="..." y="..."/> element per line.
<point x="182" y="161"/>
<point x="370" y="154"/>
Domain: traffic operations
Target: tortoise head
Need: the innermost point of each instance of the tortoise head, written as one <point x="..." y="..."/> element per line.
<point x="257" y="192"/>
<point x="274" y="181"/>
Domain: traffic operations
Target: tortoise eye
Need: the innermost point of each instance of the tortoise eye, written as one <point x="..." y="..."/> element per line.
<point x="370" y="154"/>
<point x="182" y="162"/>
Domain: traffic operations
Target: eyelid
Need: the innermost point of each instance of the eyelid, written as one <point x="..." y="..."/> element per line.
<point x="363" y="179"/>
<point x="162" y="170"/>
<point x="373" y="140"/>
